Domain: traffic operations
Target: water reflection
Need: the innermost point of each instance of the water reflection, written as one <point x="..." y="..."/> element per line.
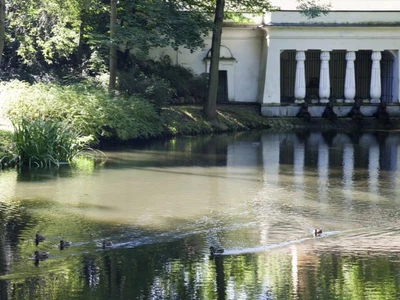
<point x="258" y="195"/>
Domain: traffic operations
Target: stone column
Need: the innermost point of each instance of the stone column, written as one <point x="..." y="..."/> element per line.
<point x="324" y="80"/>
<point x="375" y="89"/>
<point x="350" y="79"/>
<point x="300" y="83"/>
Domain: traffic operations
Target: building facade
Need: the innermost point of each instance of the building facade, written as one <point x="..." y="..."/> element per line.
<point x="284" y="58"/>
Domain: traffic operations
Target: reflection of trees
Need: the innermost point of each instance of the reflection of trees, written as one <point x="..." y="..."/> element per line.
<point x="178" y="269"/>
<point x="12" y="221"/>
<point x="167" y="271"/>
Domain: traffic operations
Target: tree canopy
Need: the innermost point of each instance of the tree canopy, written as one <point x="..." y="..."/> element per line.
<point x="73" y="36"/>
<point x="75" y="32"/>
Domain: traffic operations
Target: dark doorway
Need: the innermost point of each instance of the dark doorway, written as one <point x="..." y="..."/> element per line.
<point x="222" y="96"/>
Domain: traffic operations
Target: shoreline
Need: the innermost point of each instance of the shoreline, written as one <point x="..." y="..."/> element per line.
<point x="181" y="120"/>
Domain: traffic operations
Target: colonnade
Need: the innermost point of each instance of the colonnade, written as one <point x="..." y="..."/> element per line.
<point x="350" y="77"/>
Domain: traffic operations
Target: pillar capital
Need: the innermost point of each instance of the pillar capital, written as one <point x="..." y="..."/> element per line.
<point x="300" y="56"/>
<point x="325" y="55"/>
<point x="351" y="56"/>
<point x="376" y="55"/>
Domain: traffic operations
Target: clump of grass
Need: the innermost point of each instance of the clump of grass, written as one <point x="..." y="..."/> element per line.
<point x="38" y="142"/>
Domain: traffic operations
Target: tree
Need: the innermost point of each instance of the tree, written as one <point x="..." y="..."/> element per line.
<point x="74" y="35"/>
<point x="309" y="8"/>
<point x="2" y="26"/>
<point x="253" y="6"/>
<point x="210" y="105"/>
<point x="312" y="9"/>
<point x="145" y="24"/>
<point x="113" y="46"/>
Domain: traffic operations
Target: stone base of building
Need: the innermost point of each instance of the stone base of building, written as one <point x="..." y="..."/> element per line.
<point x="368" y="110"/>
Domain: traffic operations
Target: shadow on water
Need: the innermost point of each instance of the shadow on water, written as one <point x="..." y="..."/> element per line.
<point x="163" y="204"/>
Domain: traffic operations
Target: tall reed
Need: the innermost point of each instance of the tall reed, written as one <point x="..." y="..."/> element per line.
<point x="45" y="142"/>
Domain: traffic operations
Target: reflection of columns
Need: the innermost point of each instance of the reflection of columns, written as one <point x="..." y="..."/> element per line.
<point x="300" y="83"/>
<point x="299" y="153"/>
<point x="348" y="169"/>
<point x="350" y="79"/>
<point x="271" y="144"/>
<point x="324" y="81"/>
<point x="375" y="89"/>
<point x="323" y="165"/>
<point x="295" y="272"/>
<point x="373" y="169"/>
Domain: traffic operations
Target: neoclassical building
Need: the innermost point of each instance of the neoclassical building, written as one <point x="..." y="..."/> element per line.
<point x="284" y="58"/>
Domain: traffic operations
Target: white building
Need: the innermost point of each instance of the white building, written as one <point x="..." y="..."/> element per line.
<point x="283" y="58"/>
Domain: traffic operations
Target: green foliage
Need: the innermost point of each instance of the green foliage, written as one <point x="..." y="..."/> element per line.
<point x="45" y="142"/>
<point x="5" y="139"/>
<point x="72" y="35"/>
<point x="166" y="81"/>
<point x="189" y="120"/>
<point x="88" y="108"/>
<point x="152" y="87"/>
<point x="145" y="24"/>
<point x="312" y="9"/>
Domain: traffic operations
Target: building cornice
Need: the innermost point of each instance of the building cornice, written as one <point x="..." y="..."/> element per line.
<point x="367" y="24"/>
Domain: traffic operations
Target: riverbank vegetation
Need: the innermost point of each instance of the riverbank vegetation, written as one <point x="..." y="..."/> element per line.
<point x="81" y="71"/>
<point x="78" y="116"/>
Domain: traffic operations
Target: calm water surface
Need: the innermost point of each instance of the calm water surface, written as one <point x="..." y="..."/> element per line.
<point x="164" y="203"/>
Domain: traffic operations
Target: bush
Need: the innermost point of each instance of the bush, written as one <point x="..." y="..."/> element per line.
<point x="87" y="108"/>
<point x="153" y="88"/>
<point x="45" y="142"/>
<point x="160" y="81"/>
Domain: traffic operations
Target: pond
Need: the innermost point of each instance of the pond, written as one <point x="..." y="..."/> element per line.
<point x="257" y="195"/>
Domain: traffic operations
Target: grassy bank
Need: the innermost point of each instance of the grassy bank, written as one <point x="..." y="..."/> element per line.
<point x="183" y="120"/>
<point x="178" y="120"/>
<point x="188" y="120"/>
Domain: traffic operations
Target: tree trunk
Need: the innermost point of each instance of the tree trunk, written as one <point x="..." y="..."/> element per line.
<point x="113" y="47"/>
<point x="210" y="105"/>
<point x="2" y="26"/>
<point x="79" y="51"/>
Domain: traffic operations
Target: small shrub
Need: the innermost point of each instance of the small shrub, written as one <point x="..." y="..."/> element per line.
<point x="45" y="142"/>
<point x="160" y="81"/>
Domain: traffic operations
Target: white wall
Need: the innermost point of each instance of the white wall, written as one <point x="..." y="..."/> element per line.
<point x="245" y="43"/>
<point x="335" y="17"/>
<point x="351" y="25"/>
<point x="345" y="4"/>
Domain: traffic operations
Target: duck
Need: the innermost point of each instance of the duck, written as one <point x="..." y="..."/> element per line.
<point x="317" y="231"/>
<point x="64" y="244"/>
<point x="39" y="238"/>
<point x="105" y="243"/>
<point x="40" y="255"/>
<point x="214" y="251"/>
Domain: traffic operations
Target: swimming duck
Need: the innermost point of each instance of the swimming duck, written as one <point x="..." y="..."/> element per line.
<point x="214" y="251"/>
<point x="317" y="231"/>
<point x="39" y="238"/>
<point x="40" y="255"/>
<point x="105" y="243"/>
<point x="64" y="244"/>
